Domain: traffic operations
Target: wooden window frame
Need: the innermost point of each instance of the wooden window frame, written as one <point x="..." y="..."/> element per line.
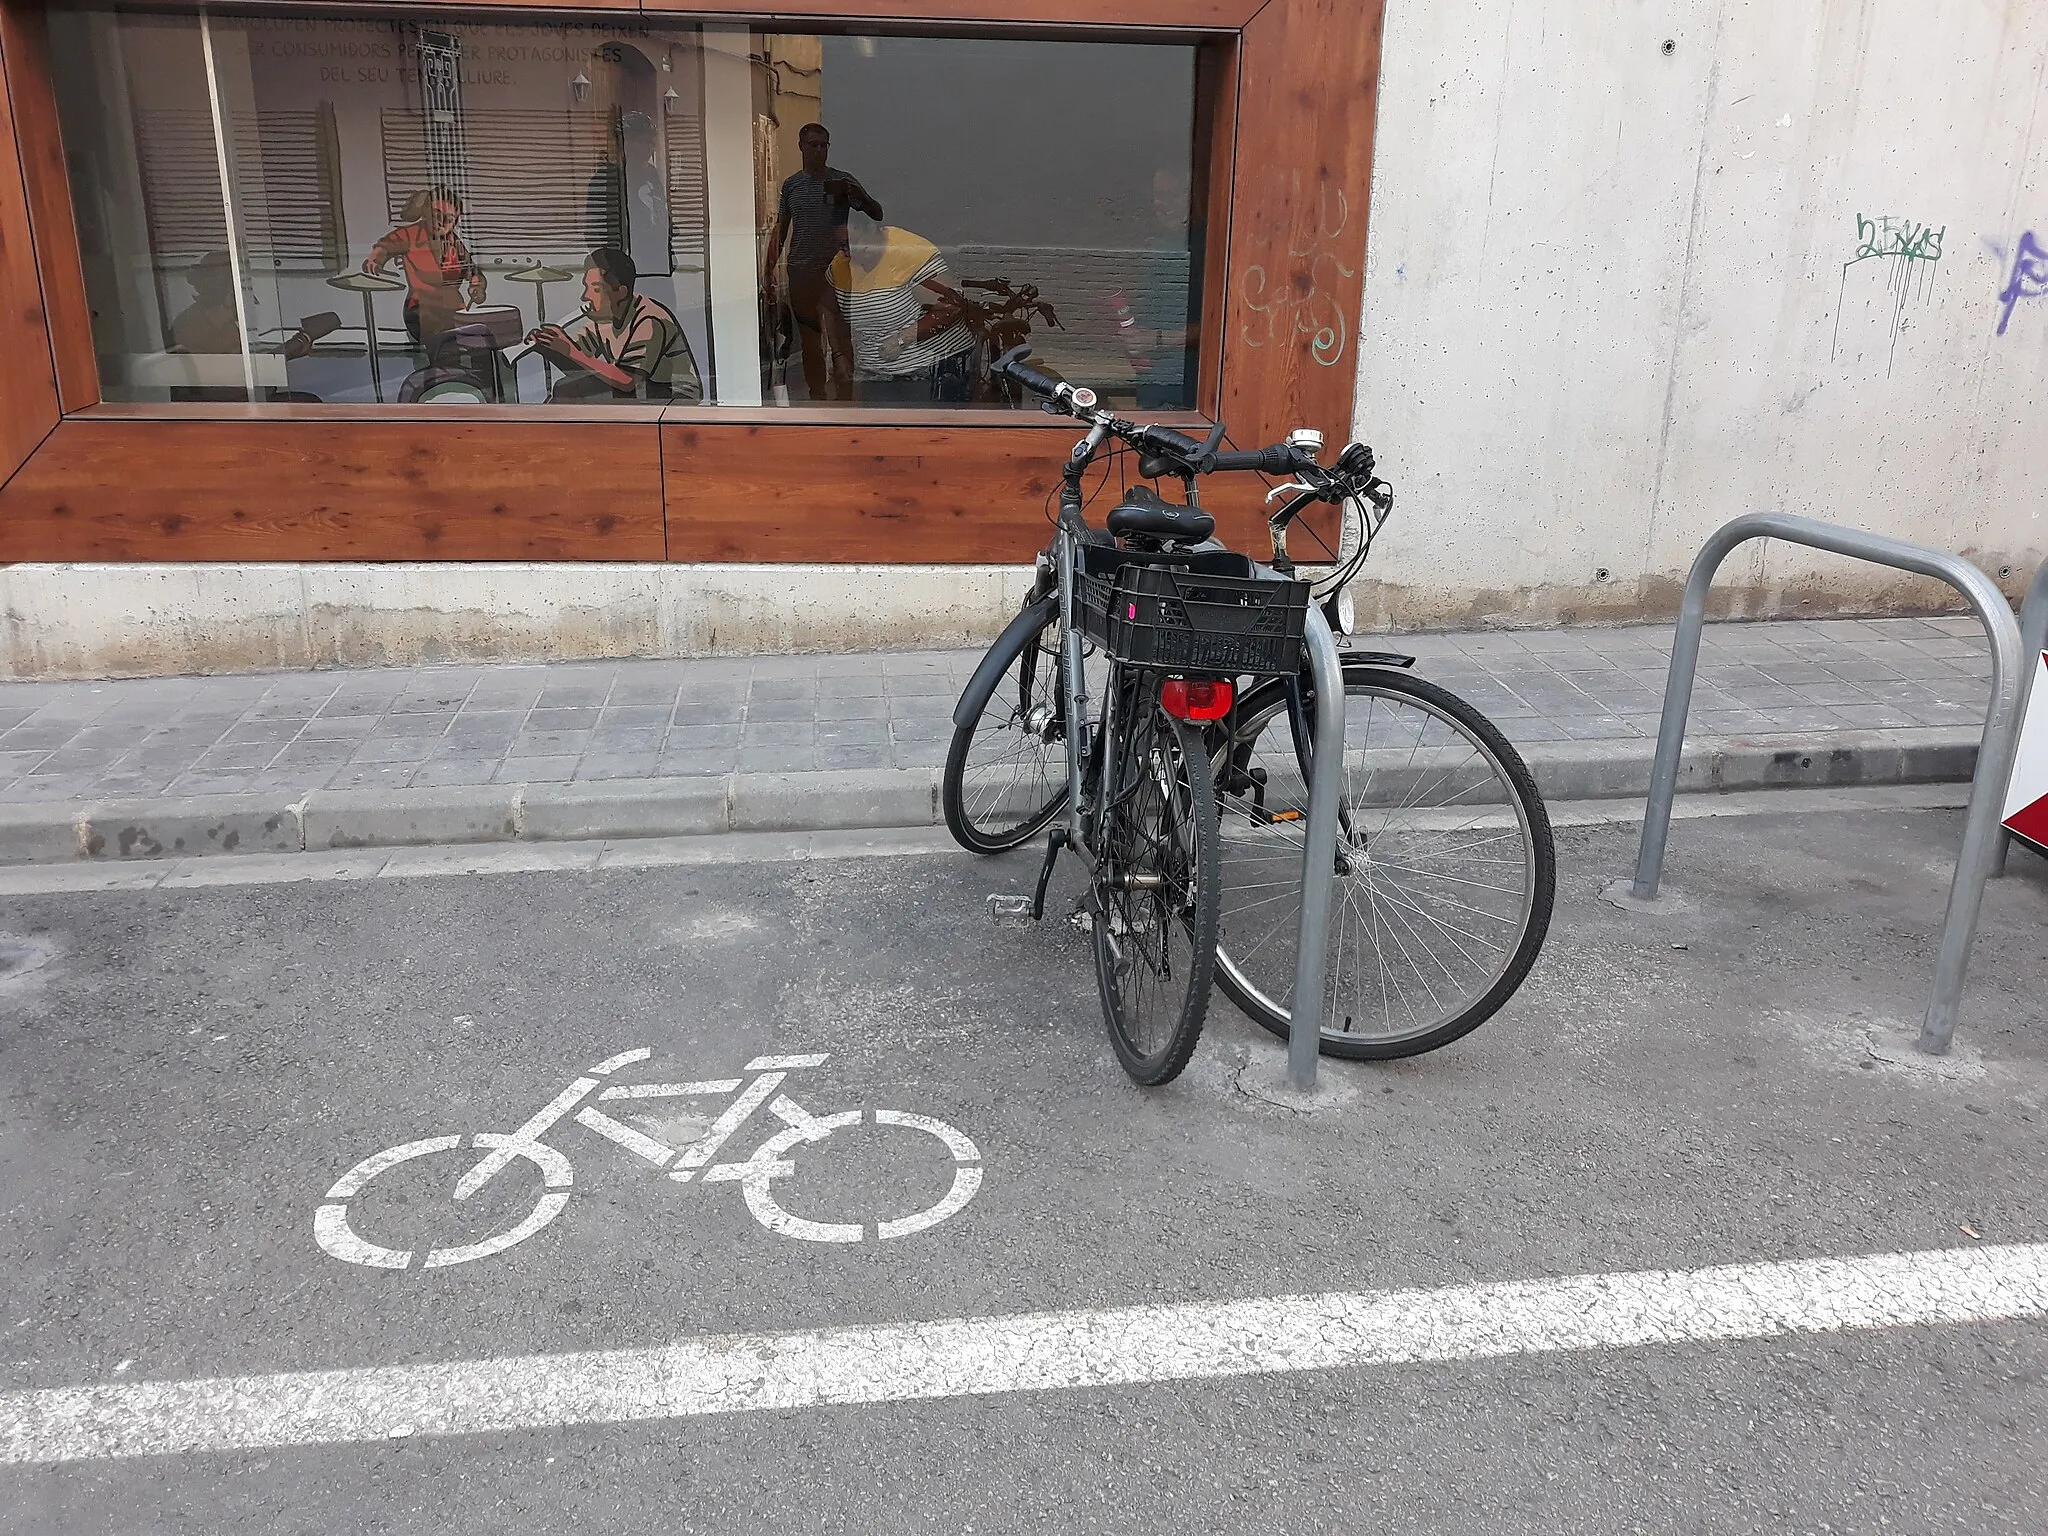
<point x="1286" y="94"/>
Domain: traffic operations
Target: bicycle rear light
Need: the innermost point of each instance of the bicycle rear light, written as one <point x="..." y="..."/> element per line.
<point x="1186" y="700"/>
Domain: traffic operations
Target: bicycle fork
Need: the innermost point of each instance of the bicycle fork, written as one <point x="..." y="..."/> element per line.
<point x="1073" y="683"/>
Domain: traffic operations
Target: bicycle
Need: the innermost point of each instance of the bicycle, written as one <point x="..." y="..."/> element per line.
<point x="756" y="1175"/>
<point x="1445" y="869"/>
<point x="1137" y="786"/>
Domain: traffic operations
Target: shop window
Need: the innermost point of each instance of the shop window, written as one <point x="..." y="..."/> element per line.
<point x="373" y="209"/>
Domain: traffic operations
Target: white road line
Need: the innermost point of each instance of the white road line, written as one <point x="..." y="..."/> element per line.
<point x="1029" y="1353"/>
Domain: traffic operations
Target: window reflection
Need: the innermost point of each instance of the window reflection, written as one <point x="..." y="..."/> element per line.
<point x="1035" y="192"/>
<point x="368" y="209"/>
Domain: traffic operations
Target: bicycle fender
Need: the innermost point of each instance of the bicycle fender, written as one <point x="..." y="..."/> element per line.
<point x="1360" y="660"/>
<point x="1355" y="663"/>
<point x="990" y="672"/>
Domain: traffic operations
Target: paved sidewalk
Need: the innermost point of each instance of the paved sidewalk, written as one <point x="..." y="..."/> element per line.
<point x="392" y="729"/>
<point x="305" y="762"/>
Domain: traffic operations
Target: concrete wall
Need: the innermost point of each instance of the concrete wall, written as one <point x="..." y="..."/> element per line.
<point x="1614" y="297"/>
<point x="149" y="620"/>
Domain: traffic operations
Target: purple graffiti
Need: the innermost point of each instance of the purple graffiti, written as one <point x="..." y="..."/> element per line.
<point x="2029" y="277"/>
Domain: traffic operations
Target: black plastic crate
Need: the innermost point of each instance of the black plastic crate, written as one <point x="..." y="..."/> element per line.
<point x="1193" y="614"/>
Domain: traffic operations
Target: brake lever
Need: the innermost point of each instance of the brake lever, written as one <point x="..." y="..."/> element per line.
<point x="1292" y="487"/>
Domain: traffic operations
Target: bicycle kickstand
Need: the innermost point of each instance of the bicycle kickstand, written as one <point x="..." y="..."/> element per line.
<point x="1001" y="905"/>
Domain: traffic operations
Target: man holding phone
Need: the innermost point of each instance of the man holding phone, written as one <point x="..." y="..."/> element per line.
<point x="810" y="223"/>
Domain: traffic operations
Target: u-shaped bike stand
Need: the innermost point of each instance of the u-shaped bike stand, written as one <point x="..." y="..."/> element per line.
<point x="1318" y="856"/>
<point x="1984" y="835"/>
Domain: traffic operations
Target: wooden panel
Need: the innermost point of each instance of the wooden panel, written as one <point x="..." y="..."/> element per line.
<point x="148" y="490"/>
<point x="24" y="39"/>
<point x="28" y="377"/>
<point x="1307" y="101"/>
<point x="944" y="495"/>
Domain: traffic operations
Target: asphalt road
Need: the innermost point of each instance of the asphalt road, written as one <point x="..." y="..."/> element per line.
<point x="191" y="1070"/>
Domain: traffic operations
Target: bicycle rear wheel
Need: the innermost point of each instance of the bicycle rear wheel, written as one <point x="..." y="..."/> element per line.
<point x="1156" y="898"/>
<point x="1445" y="868"/>
<point x="1006" y="772"/>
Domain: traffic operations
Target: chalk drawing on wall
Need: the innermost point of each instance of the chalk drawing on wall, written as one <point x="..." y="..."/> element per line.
<point x="1911" y="257"/>
<point x="1311" y="298"/>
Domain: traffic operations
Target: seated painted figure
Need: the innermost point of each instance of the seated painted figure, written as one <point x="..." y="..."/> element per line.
<point x="626" y="347"/>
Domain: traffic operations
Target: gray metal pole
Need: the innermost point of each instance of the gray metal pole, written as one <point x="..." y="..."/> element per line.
<point x="1983" y="836"/>
<point x="1685" y="662"/>
<point x="2033" y="641"/>
<point x="1318" y="858"/>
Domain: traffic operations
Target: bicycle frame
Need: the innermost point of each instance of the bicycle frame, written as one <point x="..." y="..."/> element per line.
<point x="1084" y="742"/>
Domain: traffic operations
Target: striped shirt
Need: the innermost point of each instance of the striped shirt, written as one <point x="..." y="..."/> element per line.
<point x="884" y="302"/>
<point x="816" y="224"/>
<point x="647" y="342"/>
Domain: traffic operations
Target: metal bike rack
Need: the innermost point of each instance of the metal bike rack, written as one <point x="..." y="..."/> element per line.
<point x="1318" y="856"/>
<point x="2033" y="641"/>
<point x="1983" y="834"/>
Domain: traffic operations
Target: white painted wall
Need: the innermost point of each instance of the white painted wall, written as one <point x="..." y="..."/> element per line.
<point x="1607" y="306"/>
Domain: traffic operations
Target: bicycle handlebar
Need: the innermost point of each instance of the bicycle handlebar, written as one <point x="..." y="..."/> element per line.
<point x="1279" y="459"/>
<point x="1351" y="475"/>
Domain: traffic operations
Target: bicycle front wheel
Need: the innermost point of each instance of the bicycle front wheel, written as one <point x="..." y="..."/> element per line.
<point x="1006" y="772"/>
<point x="1445" y="868"/>
<point x="1156" y="901"/>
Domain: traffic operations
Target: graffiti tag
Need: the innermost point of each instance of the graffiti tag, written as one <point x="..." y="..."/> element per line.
<point x="1914" y="251"/>
<point x="2029" y="278"/>
<point x="1902" y="238"/>
<point x="1300" y="304"/>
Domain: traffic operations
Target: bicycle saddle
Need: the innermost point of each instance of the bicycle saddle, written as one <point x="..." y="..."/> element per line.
<point x="1145" y="512"/>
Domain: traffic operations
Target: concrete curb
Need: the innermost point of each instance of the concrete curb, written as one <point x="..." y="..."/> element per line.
<point x="326" y="820"/>
<point x="1609" y="770"/>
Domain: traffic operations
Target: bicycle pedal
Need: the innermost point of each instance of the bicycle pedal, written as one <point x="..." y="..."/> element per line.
<point x="1012" y="909"/>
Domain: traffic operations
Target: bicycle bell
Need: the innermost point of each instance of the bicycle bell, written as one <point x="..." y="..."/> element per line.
<point x="1306" y="440"/>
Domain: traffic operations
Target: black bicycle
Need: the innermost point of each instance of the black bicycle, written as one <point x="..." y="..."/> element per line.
<point x="1445" y="869"/>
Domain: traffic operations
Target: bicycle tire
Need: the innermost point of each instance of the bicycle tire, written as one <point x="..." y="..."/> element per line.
<point x="1158" y="821"/>
<point x="1389" y="919"/>
<point x="1005" y="811"/>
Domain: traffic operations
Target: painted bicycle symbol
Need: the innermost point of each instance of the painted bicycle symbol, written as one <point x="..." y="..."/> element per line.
<point x="756" y="1175"/>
